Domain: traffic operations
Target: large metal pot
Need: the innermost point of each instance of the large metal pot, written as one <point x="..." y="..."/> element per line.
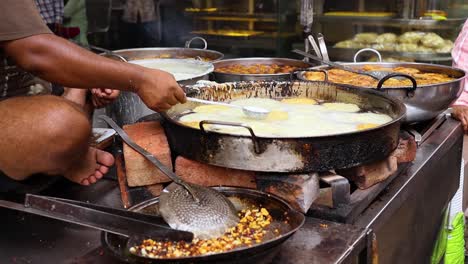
<point x="128" y="108"/>
<point x="426" y="101"/>
<point x="170" y="53"/>
<point x="270" y="154"/>
<point x="232" y="77"/>
<point x="165" y="53"/>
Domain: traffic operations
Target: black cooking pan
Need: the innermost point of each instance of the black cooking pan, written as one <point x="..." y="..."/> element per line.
<point x="242" y="198"/>
<point x="300" y="154"/>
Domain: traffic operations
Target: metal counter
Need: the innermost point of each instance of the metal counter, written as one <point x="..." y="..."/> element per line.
<point x="407" y="216"/>
<point x="33" y="239"/>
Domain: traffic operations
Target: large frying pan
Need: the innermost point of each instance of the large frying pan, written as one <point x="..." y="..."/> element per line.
<point x="286" y="154"/>
<point x="242" y="198"/>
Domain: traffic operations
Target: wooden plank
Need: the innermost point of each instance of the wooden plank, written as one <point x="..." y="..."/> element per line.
<point x="122" y="179"/>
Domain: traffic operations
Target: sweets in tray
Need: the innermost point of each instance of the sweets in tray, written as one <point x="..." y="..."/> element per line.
<point x="411" y="41"/>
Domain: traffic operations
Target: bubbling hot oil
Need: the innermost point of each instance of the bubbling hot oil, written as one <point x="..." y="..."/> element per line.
<point x="289" y="118"/>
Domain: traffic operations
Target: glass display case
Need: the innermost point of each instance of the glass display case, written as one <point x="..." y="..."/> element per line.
<point x="246" y="27"/>
<point x="402" y="30"/>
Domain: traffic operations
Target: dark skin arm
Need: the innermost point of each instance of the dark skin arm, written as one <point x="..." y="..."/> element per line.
<point x="56" y="60"/>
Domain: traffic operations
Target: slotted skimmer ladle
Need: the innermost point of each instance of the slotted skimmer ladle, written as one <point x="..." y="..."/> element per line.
<point x="253" y="112"/>
<point x="187" y="206"/>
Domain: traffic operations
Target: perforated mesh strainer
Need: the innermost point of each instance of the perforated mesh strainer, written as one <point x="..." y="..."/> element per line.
<point x="186" y="206"/>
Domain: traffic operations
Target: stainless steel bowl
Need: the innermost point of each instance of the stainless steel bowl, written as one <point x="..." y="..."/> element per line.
<point x="232" y="77"/>
<point x="173" y="53"/>
<point x="185" y="71"/>
<point x="426" y="101"/>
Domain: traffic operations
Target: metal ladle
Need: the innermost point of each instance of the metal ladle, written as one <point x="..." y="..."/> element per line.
<point x="378" y="75"/>
<point x="187" y="206"/>
<point x="253" y="112"/>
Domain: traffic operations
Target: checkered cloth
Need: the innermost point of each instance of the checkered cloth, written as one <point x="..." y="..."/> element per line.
<point x="460" y="60"/>
<point x="51" y="10"/>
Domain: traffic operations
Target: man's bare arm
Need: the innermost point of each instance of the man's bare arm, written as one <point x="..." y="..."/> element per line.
<point x="57" y="60"/>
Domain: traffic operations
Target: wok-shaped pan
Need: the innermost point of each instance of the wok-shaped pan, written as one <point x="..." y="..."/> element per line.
<point x="242" y="198"/>
<point x="301" y="154"/>
<point x="424" y="102"/>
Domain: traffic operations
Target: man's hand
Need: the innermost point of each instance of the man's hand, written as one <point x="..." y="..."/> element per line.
<point x="159" y="90"/>
<point x="460" y="113"/>
<point x="59" y="61"/>
<point x="101" y="97"/>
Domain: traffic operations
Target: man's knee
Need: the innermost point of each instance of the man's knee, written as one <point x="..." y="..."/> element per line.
<point x="67" y="127"/>
<point x="51" y="131"/>
<point x="67" y="117"/>
<point x="53" y="122"/>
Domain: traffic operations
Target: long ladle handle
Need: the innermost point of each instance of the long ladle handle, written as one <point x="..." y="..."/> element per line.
<point x="336" y="65"/>
<point x="104" y="221"/>
<point x="148" y="156"/>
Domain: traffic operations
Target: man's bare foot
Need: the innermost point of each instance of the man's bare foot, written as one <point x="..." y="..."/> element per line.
<point x="94" y="165"/>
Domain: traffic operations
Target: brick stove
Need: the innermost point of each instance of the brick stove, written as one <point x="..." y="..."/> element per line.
<point x="401" y="198"/>
<point x="340" y="190"/>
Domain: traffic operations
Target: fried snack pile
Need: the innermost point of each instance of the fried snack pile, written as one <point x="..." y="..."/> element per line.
<point x="256" y="69"/>
<point x="346" y="77"/>
<point x="288" y="118"/>
<point x="411" y="41"/>
<point x="250" y="230"/>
